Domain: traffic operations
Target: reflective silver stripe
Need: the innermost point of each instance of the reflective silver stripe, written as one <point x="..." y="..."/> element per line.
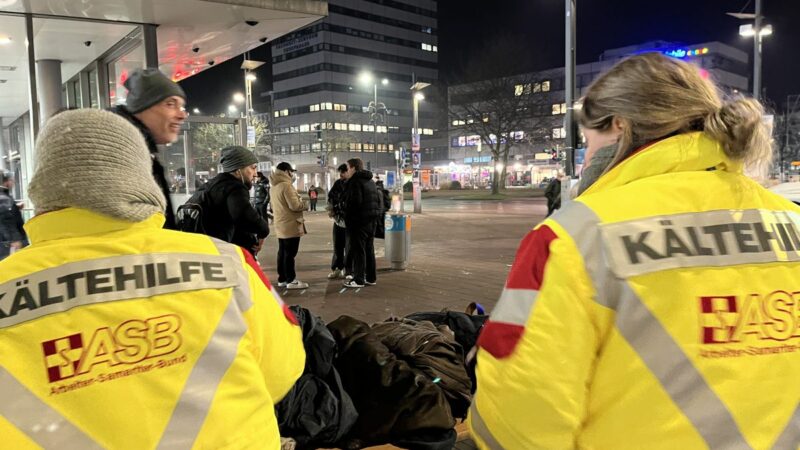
<point x="231" y="251"/>
<point x="480" y="428"/>
<point x="514" y="306"/>
<point x="110" y="279"/>
<point x="710" y="238"/>
<point x="659" y="351"/>
<point x="790" y="437"/>
<point x="36" y="419"/>
<point x="201" y="386"/>
<point x="676" y="373"/>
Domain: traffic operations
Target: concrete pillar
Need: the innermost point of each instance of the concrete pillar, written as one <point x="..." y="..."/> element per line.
<point x="3" y="147"/>
<point x="49" y="86"/>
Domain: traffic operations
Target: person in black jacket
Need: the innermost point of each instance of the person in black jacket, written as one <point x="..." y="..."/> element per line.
<point x="362" y="207"/>
<point x="156" y="106"/>
<point x="12" y="235"/>
<point x="337" y="214"/>
<point x="229" y="215"/>
<point x="261" y="195"/>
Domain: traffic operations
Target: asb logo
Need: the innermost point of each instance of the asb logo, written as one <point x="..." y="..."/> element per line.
<point x="131" y="342"/>
<point x="752" y="318"/>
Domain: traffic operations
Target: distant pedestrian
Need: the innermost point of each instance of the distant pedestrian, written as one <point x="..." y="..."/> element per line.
<point x="336" y="212"/>
<point x="553" y="194"/>
<point x="12" y="235"/>
<point x="287" y="207"/>
<point x="156" y="106"/>
<point x="312" y="196"/>
<point x="261" y="195"/>
<point x="362" y="206"/>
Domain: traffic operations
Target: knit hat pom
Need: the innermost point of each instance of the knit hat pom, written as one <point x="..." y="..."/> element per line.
<point x="94" y="160"/>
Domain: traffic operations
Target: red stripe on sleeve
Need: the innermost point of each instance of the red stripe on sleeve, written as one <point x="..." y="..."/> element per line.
<point x="532" y="255"/>
<point x="500" y="339"/>
<point x="254" y="265"/>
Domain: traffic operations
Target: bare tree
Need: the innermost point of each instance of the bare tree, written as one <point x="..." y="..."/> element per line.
<point x="504" y="110"/>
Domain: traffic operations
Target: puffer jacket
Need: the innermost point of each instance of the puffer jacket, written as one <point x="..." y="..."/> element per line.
<point x="287" y="206"/>
<point x="363" y="203"/>
<point x="658" y="310"/>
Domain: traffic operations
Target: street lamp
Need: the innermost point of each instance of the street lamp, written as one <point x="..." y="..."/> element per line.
<point x="238" y="97"/>
<point x="756" y="31"/>
<point x="417" y="97"/>
<point x="232" y="108"/>
<point x="196" y="111"/>
<point x="377" y="111"/>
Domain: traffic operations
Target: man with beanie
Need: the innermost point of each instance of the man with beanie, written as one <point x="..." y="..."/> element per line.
<point x="155" y="105"/>
<point x="228" y="214"/>
<point x="287" y="211"/>
<point x="107" y="312"/>
<point x="183" y="329"/>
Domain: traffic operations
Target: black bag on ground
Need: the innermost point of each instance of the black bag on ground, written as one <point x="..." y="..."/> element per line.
<point x="317" y="412"/>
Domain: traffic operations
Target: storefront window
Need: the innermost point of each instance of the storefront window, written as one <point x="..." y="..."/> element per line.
<point x="119" y="70"/>
<point x="94" y="102"/>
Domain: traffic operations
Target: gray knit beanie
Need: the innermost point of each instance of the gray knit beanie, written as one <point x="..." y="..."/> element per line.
<point x="146" y="87"/>
<point x="235" y="157"/>
<point x="94" y="160"/>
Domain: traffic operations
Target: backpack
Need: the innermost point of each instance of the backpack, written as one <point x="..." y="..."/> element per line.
<point x="189" y="217"/>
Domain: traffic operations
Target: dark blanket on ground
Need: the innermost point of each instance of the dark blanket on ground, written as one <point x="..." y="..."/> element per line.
<point x="396" y="402"/>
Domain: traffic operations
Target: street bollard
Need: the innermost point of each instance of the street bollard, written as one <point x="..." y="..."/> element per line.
<point x="398" y="240"/>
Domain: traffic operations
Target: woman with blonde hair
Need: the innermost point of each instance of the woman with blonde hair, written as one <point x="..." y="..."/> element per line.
<point x="660" y="308"/>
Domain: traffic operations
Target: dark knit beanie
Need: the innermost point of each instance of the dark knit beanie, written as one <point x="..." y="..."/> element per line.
<point x="235" y="157"/>
<point x="146" y="87"/>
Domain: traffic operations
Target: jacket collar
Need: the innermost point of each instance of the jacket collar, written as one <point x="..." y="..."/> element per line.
<point x="279" y="177"/>
<point x="148" y="137"/>
<point x="76" y="222"/>
<point x="688" y="152"/>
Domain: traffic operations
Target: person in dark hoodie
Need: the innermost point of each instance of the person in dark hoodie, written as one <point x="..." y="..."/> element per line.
<point x="156" y="106"/>
<point x="230" y="216"/>
<point x="362" y="207"/>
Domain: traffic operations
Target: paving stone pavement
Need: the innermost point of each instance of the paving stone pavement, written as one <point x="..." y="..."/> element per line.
<point x="461" y="252"/>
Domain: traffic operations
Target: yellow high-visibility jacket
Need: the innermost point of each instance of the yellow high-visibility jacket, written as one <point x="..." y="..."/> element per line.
<point x="125" y="335"/>
<point x="660" y="310"/>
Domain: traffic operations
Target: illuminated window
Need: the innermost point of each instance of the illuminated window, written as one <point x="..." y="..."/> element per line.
<point x="391" y="147"/>
<point x="563" y="108"/>
<point x="355" y="146"/>
<point x="435" y="48"/>
<point x="340" y="126"/>
<point x="545" y="86"/>
<point x="316" y="146"/>
<point x="284" y="112"/>
<point x="485" y="118"/>
<point x="354" y="127"/>
<point x="559" y="133"/>
<point x="339" y="107"/>
<point x="537" y="87"/>
<point x="427" y="131"/>
<point x="518" y="90"/>
<point x="304" y="128"/>
<point x="381" y="129"/>
<point x="277" y="113"/>
<point x="457" y="123"/>
<point x="528" y="89"/>
<point x="559" y="108"/>
<point x="314" y="108"/>
<point x="327" y="106"/>
<point x="369" y="128"/>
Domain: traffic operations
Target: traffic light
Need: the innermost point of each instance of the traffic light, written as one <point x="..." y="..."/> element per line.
<point x="554" y="155"/>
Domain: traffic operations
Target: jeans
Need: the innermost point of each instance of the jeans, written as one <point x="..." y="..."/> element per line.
<point x="313" y="204"/>
<point x="287" y="250"/>
<point x="361" y="251"/>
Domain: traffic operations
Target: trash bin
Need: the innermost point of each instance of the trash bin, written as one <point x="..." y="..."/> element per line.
<point x="398" y="240"/>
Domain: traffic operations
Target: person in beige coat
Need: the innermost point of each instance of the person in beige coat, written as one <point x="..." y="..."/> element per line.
<point x="287" y="210"/>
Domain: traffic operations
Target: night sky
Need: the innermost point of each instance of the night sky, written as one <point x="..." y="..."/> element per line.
<point x="464" y="25"/>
